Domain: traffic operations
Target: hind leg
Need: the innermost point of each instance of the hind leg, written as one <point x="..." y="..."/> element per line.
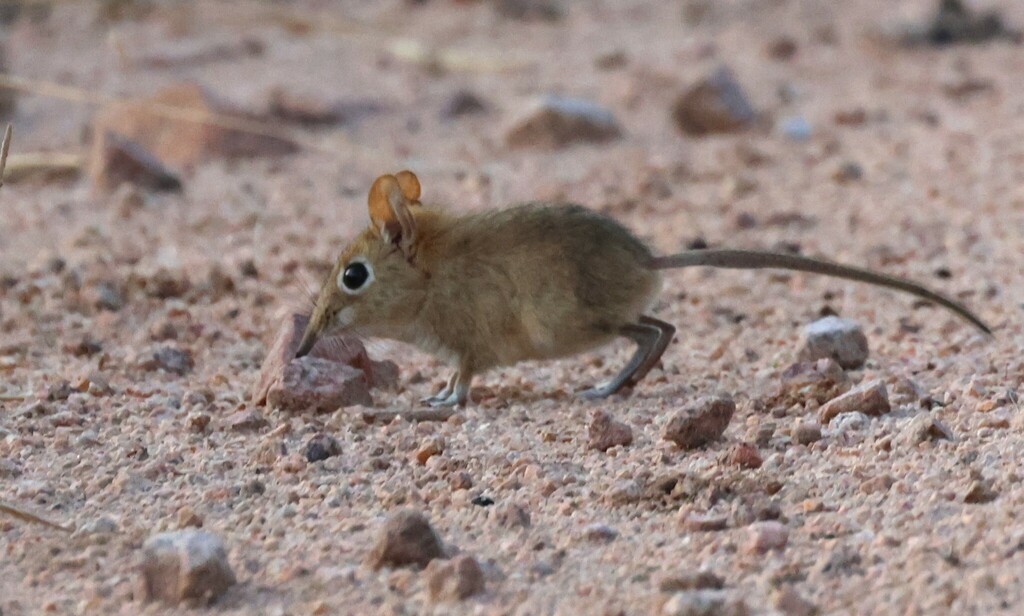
<point x="665" y="333"/>
<point x="651" y="338"/>
<point x="444" y="392"/>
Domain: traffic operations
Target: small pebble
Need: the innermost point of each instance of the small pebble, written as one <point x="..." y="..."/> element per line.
<point x="454" y="580"/>
<point x="246" y="419"/>
<point x="198" y="422"/>
<point x="101" y="526"/>
<point x="320" y="447"/>
<point x="870" y="399"/>
<point x="701" y="523"/>
<point x="745" y="455"/>
<point x="188" y="518"/>
<point x="482" y="501"/>
<point x="169" y="359"/>
<point x="850" y="422"/>
<point x="461" y="103"/>
<point x="796" y="128"/>
<point x="406" y="539"/>
<point x="623" y="492"/>
<point x="806" y="432"/>
<point x="460" y="480"/>
<point x="706" y="602"/>
<point x="605" y="432"/>
<point x="700" y="422"/>
<point x="923" y="428"/>
<point x="716" y="104"/>
<point x="429" y="448"/>
<point x="185" y="564"/>
<point x="840" y="339"/>
<point x="767" y="536"/>
<point x="980" y="492"/>
<point x="87" y="438"/>
<point x="782" y="48"/>
<point x="599" y="533"/>
<point x="848" y="172"/>
<point x="700" y="580"/>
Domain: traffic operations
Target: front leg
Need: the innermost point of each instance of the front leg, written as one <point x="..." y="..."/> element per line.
<point x="456" y="392"/>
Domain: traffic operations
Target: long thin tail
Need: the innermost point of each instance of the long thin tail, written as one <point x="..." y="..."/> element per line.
<point x="755" y="259"/>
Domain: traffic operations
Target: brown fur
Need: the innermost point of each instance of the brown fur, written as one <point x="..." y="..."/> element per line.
<point x="537" y="281"/>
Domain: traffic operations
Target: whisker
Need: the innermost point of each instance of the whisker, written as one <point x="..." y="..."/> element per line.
<point x="310" y="294"/>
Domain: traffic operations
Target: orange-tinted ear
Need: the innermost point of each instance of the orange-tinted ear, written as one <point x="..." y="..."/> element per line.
<point x="410" y="185"/>
<point x="389" y="211"/>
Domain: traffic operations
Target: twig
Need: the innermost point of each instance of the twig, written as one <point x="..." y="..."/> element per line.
<point x="25" y="516"/>
<point x="54" y="163"/>
<point x="3" y="152"/>
<point x="411" y="415"/>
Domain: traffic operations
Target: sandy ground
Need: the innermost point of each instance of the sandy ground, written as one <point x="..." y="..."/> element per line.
<point x="877" y="523"/>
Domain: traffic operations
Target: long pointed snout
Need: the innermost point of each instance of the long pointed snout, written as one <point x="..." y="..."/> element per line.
<point x="309" y="338"/>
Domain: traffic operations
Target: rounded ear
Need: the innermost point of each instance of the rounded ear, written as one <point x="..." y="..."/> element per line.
<point x="390" y="215"/>
<point x="381" y="214"/>
<point x="410" y="184"/>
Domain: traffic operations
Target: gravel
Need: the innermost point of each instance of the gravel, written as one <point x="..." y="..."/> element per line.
<point x="254" y="238"/>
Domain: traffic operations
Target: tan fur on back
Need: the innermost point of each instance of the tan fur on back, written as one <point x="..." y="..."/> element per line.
<point x="534" y="281"/>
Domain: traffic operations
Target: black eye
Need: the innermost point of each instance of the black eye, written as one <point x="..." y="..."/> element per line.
<point x="355" y="276"/>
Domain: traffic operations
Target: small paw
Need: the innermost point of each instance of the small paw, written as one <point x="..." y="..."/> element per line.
<point x="451" y="401"/>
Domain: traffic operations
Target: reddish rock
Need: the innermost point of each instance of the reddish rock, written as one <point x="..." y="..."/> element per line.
<point x="869" y="399"/>
<point x="406" y="539"/>
<point x="745" y="455"/>
<point x="314" y="384"/>
<point x="119" y="160"/>
<point x="700" y="423"/>
<point x="183" y="565"/>
<point x="184" y="143"/>
<point x="338" y="350"/>
<point x="606" y="432"/>
<point x="431" y="447"/>
<point x="454" y="580"/>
